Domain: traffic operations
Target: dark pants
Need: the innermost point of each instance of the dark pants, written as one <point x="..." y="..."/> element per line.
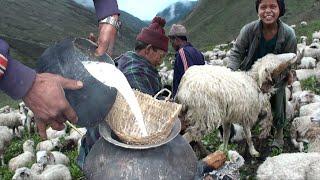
<point x="278" y="107"/>
<point x="87" y="142"/>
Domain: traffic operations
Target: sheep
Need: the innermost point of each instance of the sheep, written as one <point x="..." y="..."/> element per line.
<point x="75" y="136"/>
<point x="48" y="145"/>
<point x="290" y="166"/>
<point x="12" y="120"/>
<point x="51" y="158"/>
<point x="316" y="35"/>
<point x="307" y="63"/>
<point x="5" y="138"/>
<point x="5" y="109"/>
<point x="52" y="134"/>
<point x="303" y="23"/>
<point x="25" y="158"/>
<point x="236" y="133"/>
<point x="50" y="172"/>
<point x="312" y="51"/>
<point x="212" y="95"/>
<point x="296" y="86"/>
<point x="303" y="74"/>
<point x="309" y="109"/>
<point x="299" y="128"/>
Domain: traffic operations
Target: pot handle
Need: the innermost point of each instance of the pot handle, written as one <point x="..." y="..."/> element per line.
<point x="161" y="91"/>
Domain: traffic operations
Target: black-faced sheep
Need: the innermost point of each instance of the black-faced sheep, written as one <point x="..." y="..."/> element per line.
<point x="213" y="96"/>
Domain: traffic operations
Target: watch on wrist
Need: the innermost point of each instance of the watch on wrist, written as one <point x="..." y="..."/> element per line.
<point x="113" y="21"/>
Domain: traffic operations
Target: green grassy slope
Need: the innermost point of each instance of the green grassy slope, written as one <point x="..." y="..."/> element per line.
<point x="219" y="21"/>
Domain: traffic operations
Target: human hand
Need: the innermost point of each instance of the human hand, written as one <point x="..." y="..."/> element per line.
<point x="106" y="39"/>
<point x="47" y="101"/>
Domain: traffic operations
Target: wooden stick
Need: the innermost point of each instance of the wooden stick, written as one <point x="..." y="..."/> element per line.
<point x="74" y="128"/>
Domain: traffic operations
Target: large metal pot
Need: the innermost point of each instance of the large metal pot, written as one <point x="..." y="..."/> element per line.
<point x="172" y="161"/>
<point x="91" y="103"/>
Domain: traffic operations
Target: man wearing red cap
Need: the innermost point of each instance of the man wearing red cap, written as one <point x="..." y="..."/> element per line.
<point x="139" y="66"/>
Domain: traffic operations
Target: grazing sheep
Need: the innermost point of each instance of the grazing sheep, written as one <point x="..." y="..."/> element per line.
<point x="25" y="158"/>
<point x="51" y="158"/>
<point x="50" y="172"/>
<point x="213" y="95"/>
<point x="48" y="145"/>
<point x="303" y="23"/>
<point x="75" y="136"/>
<point x="5" y="138"/>
<point x="290" y="166"/>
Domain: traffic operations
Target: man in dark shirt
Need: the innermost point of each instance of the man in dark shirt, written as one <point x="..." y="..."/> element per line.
<point x="186" y="54"/>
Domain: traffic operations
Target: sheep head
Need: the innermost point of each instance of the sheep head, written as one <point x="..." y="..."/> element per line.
<point x="22" y="173"/>
<point x="272" y="69"/>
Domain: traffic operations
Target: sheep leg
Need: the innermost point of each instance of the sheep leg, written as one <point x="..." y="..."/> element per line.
<point x="252" y="150"/>
<point x="226" y="134"/>
<point x="2" y="160"/>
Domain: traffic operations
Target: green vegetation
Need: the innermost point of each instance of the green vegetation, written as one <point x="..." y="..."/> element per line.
<point x="311" y="84"/>
<point x="6" y="100"/>
<point x="215" y="21"/>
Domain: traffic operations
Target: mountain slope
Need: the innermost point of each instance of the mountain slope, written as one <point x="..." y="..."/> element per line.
<point x="219" y="21"/>
<point x="177" y="11"/>
<point x="30" y="26"/>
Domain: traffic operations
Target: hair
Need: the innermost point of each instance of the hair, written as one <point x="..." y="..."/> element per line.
<point x="184" y="38"/>
<point x="281" y="4"/>
<point x="142" y="45"/>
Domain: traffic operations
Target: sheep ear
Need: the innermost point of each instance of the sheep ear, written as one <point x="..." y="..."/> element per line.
<point x="281" y="68"/>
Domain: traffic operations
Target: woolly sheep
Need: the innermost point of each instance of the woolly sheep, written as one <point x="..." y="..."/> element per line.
<point x="51" y="158"/>
<point x="312" y="51"/>
<point x="296" y="86"/>
<point x="290" y="166"/>
<point x="316" y="35"/>
<point x="51" y="172"/>
<point x="307" y="63"/>
<point x="25" y="158"/>
<point x="53" y="134"/>
<point x="5" y="138"/>
<point x="48" y="145"/>
<point x="213" y="95"/>
<point x="12" y="120"/>
<point x="299" y="128"/>
<point x="75" y="136"/>
<point x="309" y="109"/>
<point x="5" y="109"/>
<point x="303" y="23"/>
<point x="303" y="74"/>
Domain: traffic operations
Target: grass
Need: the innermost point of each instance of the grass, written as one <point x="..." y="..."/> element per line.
<point x="311" y="84"/>
<point x="6" y="100"/>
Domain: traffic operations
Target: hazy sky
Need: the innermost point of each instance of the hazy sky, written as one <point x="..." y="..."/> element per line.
<point x="143" y="9"/>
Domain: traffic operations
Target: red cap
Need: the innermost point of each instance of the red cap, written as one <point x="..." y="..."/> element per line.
<point x="155" y="34"/>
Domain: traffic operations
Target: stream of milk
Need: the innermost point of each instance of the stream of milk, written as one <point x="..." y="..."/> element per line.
<point x="111" y="76"/>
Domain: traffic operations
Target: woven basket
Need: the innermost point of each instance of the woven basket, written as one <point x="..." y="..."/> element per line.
<point x="158" y="115"/>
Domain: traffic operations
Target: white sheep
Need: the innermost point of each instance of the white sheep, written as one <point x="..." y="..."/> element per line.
<point x="296" y="86"/>
<point x="290" y="166"/>
<point x="303" y="23"/>
<point x="5" y="138"/>
<point x="303" y="74"/>
<point x="12" y="120"/>
<point x="52" y="134"/>
<point x="51" y="158"/>
<point x="25" y="158"/>
<point x="309" y="109"/>
<point x="316" y="35"/>
<point x="48" y="145"/>
<point x="299" y="128"/>
<point x="50" y="172"/>
<point x="312" y="51"/>
<point x="213" y="95"/>
<point x="75" y="136"/>
<point x="5" y="109"/>
<point x="307" y="63"/>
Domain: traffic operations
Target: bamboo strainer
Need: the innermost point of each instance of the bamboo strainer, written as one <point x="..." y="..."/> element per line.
<point x="158" y="116"/>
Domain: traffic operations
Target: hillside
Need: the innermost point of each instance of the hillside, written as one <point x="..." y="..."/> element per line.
<point x="177" y="11"/>
<point x="219" y="21"/>
<point x="30" y="26"/>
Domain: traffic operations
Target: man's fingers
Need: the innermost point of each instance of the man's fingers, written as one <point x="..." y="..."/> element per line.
<point x="57" y="125"/>
<point x="70" y="114"/>
<point x="42" y="129"/>
<point x="70" y="84"/>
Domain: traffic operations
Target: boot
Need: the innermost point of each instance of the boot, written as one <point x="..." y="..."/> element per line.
<point x="278" y="138"/>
